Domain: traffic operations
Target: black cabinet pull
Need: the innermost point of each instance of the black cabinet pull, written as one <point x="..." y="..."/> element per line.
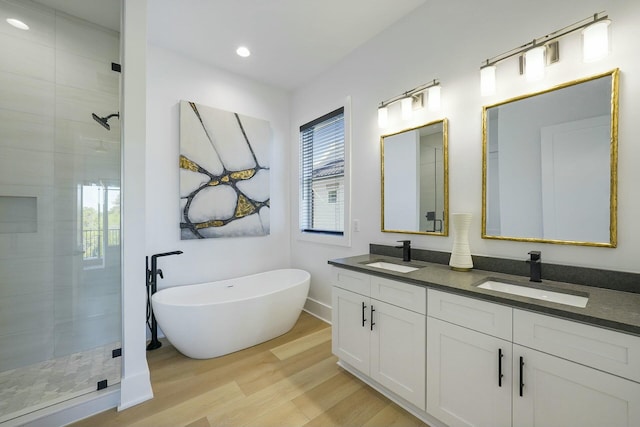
<point x="521" y="375"/>
<point x="500" y="355"/>
<point x="364" y="307"/>
<point x="372" y="322"/>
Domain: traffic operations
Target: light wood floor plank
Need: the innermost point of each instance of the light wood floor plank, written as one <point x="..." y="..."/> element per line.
<point x="394" y="416"/>
<point x="278" y="393"/>
<point x="324" y="396"/>
<point x="265" y="375"/>
<point x="202" y="422"/>
<point x="354" y="410"/>
<point x="294" y="347"/>
<point x="193" y="409"/>
<point x="283" y="415"/>
<point x="290" y="381"/>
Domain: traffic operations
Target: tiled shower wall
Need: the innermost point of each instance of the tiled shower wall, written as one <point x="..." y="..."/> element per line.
<point x="52" y="78"/>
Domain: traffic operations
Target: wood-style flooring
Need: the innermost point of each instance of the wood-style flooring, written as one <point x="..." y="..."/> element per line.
<point x="292" y="380"/>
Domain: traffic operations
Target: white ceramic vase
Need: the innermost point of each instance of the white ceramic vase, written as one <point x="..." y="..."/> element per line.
<point x="461" y="254"/>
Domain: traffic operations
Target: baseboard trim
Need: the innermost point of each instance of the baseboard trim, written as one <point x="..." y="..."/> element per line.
<point x="413" y="410"/>
<point x="70" y="411"/>
<point x="318" y="309"/>
<point x="135" y="390"/>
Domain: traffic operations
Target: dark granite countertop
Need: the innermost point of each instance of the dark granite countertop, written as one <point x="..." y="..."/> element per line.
<point x="607" y="308"/>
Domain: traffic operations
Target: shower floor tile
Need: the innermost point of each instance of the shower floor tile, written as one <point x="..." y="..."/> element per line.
<point x="30" y="388"/>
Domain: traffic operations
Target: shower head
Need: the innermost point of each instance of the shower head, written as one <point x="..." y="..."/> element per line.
<point x="104" y="120"/>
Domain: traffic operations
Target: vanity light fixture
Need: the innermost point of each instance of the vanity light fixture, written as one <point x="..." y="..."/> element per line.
<point x="383" y="117"/>
<point x="407" y="107"/>
<point x="534" y="61"/>
<point x="595" y="40"/>
<point x="434" y="98"/>
<point x="542" y="51"/>
<point x="488" y="80"/>
<point x="411" y="100"/>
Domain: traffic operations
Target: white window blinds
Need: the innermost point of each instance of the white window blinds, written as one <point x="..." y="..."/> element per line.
<point x="322" y="174"/>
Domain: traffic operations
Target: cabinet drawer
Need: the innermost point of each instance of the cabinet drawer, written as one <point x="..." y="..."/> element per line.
<point x="401" y="294"/>
<point x="351" y="280"/>
<point x="478" y="315"/>
<point x="599" y="348"/>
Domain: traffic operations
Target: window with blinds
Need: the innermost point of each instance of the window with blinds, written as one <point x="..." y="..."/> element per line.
<point x="322" y="174"/>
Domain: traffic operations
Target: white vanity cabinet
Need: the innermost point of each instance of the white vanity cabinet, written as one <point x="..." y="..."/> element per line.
<point x="567" y="373"/>
<point x="547" y="372"/>
<point x="379" y="328"/>
<point x="468" y="361"/>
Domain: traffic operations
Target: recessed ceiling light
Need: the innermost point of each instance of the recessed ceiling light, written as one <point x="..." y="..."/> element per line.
<point x="17" y="23"/>
<point x="243" y="51"/>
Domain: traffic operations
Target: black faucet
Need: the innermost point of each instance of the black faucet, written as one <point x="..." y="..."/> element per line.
<point x="406" y="249"/>
<point x="152" y="285"/>
<point x="535" y="266"/>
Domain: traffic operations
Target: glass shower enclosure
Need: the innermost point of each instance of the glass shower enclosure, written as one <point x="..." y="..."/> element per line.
<point x="60" y="320"/>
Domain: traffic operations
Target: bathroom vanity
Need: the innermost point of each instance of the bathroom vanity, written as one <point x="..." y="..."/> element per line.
<point x="454" y="354"/>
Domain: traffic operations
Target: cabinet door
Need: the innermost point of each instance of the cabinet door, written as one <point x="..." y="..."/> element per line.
<point x="398" y="340"/>
<point x="559" y="393"/>
<point x="350" y="328"/>
<point x="463" y="388"/>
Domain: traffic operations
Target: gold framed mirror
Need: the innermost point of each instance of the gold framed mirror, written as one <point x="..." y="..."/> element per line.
<point x="549" y="165"/>
<point x="415" y="180"/>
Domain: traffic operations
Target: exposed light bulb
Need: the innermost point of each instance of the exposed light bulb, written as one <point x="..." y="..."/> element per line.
<point x="595" y="41"/>
<point x="488" y="80"/>
<point x="534" y="63"/>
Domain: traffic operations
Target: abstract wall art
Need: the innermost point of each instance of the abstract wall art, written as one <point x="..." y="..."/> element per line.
<point x="224" y="173"/>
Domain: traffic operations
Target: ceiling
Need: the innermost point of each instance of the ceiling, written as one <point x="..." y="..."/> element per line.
<point x="291" y="41"/>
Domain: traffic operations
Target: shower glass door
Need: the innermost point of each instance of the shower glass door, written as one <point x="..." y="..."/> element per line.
<point x="60" y="309"/>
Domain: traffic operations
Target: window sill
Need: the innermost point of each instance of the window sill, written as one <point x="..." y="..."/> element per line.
<point x="325" y="238"/>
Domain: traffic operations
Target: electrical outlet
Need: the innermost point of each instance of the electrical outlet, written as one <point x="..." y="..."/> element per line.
<point x="356" y="225"/>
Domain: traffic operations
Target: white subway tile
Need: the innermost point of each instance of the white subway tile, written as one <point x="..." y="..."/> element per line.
<point x="25" y="275"/>
<point x="78" y="104"/>
<point x="26" y="313"/>
<point x="86" y="73"/>
<point x="26" y="348"/>
<point x="30" y="59"/>
<point x="26" y="131"/>
<point x="26" y="94"/>
<point x="86" y="40"/>
<point x="27" y="168"/>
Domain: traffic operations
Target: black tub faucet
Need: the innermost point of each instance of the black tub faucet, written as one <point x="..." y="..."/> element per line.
<point x="406" y="249"/>
<point x="535" y="266"/>
<point x="152" y="287"/>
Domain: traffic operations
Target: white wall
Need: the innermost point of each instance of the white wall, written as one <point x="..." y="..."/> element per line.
<point x="171" y="78"/>
<point x="150" y="190"/>
<point x="449" y="41"/>
<point x="136" y="384"/>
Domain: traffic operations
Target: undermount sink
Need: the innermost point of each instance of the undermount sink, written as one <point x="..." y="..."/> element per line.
<point x="392" y="267"/>
<point x="541" y="294"/>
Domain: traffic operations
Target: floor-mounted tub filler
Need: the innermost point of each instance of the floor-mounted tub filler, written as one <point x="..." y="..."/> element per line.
<point x="213" y="319"/>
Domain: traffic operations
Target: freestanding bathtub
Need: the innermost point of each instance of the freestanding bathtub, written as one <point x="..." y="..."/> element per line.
<point x="212" y="319"/>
